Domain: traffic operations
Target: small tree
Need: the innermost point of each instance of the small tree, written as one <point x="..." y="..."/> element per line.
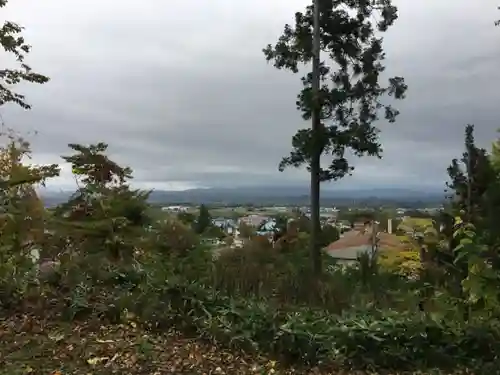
<point x="329" y="234"/>
<point x="22" y="214"/>
<point x="12" y="42"/>
<point x="186" y="218"/>
<point x="470" y="180"/>
<point x="204" y="220"/>
<point x="104" y="213"/>
<point x="23" y="210"/>
<point x="349" y="100"/>
<point x="246" y="231"/>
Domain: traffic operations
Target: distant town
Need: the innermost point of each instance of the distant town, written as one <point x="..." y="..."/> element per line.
<point x="263" y="221"/>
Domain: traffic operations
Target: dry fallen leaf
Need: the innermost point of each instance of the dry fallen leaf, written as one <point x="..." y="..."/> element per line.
<point x="95" y="360"/>
<point x="104" y="341"/>
<point x="56" y="336"/>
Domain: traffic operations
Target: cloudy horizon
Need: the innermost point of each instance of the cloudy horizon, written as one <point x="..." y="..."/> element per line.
<point x="183" y="95"/>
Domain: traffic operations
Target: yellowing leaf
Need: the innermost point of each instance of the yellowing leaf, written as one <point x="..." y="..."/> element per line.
<point x="56" y="336"/>
<point x="104" y="341"/>
<point x="96" y="360"/>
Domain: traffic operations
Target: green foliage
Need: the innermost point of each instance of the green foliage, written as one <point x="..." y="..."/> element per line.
<point x="94" y="168"/>
<point x="12" y="42"/>
<point x="329" y="234"/>
<point x="109" y="259"/>
<point x="342" y="99"/>
<point x="187" y="218"/>
<point x="104" y="214"/>
<point x="257" y="270"/>
<point x="174" y="238"/>
<point x="22" y="216"/>
<point x="303" y="224"/>
<point x="264" y="298"/>
<point x="204" y="220"/>
<point x="352" y="103"/>
<point x="471" y="180"/>
<point x="378" y="340"/>
<point x="481" y="281"/>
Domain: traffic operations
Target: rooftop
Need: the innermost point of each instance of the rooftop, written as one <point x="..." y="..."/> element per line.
<point x="361" y="238"/>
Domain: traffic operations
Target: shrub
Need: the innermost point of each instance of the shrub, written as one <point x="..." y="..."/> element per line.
<point x="386" y="340"/>
<point x="258" y="270"/>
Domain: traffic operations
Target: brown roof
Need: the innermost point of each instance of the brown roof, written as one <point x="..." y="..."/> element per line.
<point x="352" y="238"/>
<point x="356" y="238"/>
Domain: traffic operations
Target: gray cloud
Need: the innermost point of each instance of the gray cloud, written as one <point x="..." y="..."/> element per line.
<point x="182" y="92"/>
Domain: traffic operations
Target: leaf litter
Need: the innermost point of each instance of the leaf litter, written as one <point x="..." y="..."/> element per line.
<point x="32" y="346"/>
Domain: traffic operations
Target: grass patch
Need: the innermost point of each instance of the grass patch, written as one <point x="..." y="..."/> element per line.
<point x="416" y="222"/>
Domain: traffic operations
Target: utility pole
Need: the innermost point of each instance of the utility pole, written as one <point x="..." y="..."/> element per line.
<point x="316" y="153"/>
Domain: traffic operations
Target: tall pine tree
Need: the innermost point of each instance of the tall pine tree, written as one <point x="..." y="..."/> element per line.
<point x="204" y="220"/>
<point x="350" y="95"/>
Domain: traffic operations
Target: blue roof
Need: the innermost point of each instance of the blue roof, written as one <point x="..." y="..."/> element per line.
<point x="268" y="226"/>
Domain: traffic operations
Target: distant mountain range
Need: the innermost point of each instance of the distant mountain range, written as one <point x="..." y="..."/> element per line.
<point x="281" y="195"/>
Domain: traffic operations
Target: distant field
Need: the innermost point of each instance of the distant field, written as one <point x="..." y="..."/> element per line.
<point x="416" y="222"/>
<point x="226" y="212"/>
<point x="241" y="211"/>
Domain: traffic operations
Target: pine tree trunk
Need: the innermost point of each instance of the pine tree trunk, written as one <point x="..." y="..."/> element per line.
<point x="316" y="157"/>
<point x="315" y="222"/>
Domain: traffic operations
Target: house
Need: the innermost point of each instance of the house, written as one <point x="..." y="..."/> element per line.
<point x="361" y="240"/>
<point x="227" y="225"/>
<point x="253" y="220"/>
<point x="175" y="208"/>
<point x="267" y="229"/>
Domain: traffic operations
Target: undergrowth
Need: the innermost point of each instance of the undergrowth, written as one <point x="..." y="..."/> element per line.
<point x="102" y="259"/>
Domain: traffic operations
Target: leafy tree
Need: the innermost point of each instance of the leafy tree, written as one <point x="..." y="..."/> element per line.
<point x="175" y="239"/>
<point x="204" y="220"/>
<point x="471" y="178"/>
<point x="350" y="96"/>
<point x="93" y="167"/>
<point x="214" y="231"/>
<point x="495" y="155"/>
<point x="358" y="216"/>
<point x="12" y="42"/>
<point x="460" y="246"/>
<point x="22" y="214"/>
<point x="104" y="213"/>
<point x="281" y="223"/>
<point x="419" y="214"/>
<point x="246" y="231"/>
<point x="186" y="218"/>
<point x="329" y="234"/>
<point x="303" y="224"/>
<point x="280" y="228"/>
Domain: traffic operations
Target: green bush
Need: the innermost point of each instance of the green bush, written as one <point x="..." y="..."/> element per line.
<point x="384" y="339"/>
<point x="284" y="278"/>
<point x="258" y="298"/>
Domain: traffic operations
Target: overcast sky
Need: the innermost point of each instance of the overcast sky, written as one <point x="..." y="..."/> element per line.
<point x="182" y="93"/>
